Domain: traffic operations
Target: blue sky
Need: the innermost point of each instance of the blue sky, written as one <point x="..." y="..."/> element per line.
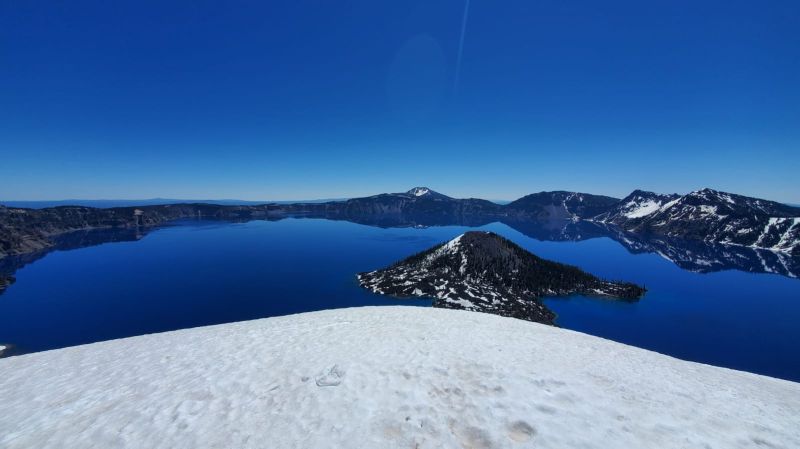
<point x="302" y="99"/>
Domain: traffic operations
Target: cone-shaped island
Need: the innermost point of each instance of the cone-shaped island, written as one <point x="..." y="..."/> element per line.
<point x="484" y="272"/>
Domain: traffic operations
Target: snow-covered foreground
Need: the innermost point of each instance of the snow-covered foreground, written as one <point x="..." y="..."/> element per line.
<point x="382" y="377"/>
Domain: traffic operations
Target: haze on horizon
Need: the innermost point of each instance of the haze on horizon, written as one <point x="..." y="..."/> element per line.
<point x="302" y="100"/>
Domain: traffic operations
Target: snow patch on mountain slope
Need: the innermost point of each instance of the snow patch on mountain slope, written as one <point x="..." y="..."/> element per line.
<point x="708" y="210"/>
<point x="788" y="238"/>
<point x="669" y="204"/>
<point x="387" y="377"/>
<point x="765" y="233"/>
<point x="642" y="209"/>
<point x="451" y="247"/>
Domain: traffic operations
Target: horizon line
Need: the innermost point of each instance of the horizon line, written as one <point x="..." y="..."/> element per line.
<point x="344" y="198"/>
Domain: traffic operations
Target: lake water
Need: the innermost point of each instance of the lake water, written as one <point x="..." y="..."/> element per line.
<point x="201" y="273"/>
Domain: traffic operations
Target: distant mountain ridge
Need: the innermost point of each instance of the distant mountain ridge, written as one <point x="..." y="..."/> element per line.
<point x="109" y="203"/>
<point x="711" y="216"/>
<point x="561" y="205"/>
<point x="705" y="215"/>
<point x="636" y="205"/>
<point x="417" y="201"/>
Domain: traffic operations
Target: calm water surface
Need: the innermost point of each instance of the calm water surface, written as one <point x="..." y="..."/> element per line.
<point x="201" y="273"/>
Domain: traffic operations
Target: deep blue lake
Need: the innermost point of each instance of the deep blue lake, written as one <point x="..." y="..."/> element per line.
<point x="200" y="273"/>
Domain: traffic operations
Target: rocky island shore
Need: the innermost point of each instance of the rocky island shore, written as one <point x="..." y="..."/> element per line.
<point x="484" y="272"/>
<point x="5" y="281"/>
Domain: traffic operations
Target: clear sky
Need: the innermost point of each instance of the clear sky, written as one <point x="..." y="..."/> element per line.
<point x="317" y="99"/>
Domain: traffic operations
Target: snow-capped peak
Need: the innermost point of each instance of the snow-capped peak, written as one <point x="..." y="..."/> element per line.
<point x="637" y="205"/>
<point x="419" y="191"/>
<point x="713" y="215"/>
<point x="453" y="244"/>
<point x="711" y="194"/>
<point x="705" y="191"/>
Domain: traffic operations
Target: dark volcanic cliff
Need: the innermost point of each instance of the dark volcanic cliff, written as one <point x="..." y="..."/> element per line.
<point x="485" y="272"/>
<point x="29" y="230"/>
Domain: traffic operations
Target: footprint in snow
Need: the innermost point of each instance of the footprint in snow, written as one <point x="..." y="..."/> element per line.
<point x="331" y="377"/>
<point x="520" y="431"/>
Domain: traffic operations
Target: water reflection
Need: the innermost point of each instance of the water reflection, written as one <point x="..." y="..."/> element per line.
<point x="695" y="256"/>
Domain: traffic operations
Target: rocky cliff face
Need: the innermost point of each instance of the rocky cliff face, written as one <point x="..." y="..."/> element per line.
<point x="485" y="272"/>
<point x="711" y="216"/>
<point x="29" y="230"/>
